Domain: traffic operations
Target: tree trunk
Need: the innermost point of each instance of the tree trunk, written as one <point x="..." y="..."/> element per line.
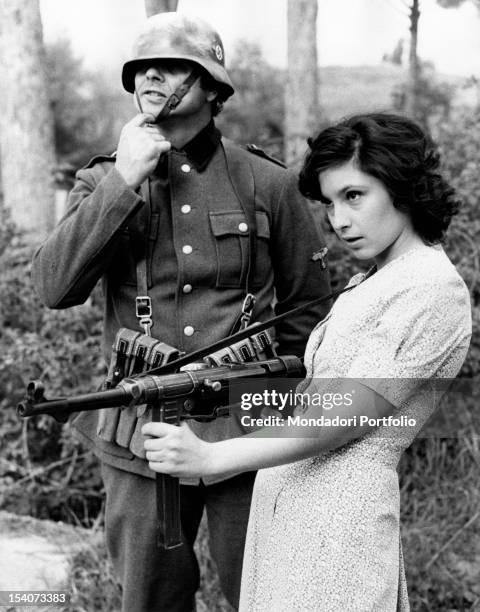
<point x="301" y="91"/>
<point x="26" y="119"/>
<point x="413" y="64"/>
<point x="152" y="7"/>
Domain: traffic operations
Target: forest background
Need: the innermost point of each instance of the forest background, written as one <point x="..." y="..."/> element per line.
<point x="44" y="471"/>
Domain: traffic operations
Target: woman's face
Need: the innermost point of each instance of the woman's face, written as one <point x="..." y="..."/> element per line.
<point x="362" y="214"/>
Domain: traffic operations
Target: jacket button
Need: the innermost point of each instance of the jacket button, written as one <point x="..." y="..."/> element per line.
<point x="186" y="208"/>
<point x="187" y="288"/>
<point x="187" y="249"/>
<point x="188" y="330"/>
<point x="185" y="168"/>
<point x="243" y="227"/>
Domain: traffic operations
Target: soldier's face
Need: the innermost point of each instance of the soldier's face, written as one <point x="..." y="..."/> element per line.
<point x="156" y="81"/>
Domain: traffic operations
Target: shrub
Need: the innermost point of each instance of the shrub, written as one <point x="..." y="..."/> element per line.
<point x="44" y="471"/>
<point x="459" y="141"/>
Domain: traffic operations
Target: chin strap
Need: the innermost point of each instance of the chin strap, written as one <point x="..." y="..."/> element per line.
<point x="177" y="96"/>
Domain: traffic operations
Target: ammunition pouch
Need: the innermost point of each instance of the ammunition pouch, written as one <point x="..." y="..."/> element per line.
<point x="134" y="353"/>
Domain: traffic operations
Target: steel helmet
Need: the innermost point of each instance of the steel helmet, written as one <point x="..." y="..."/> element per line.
<point x="177" y="36"/>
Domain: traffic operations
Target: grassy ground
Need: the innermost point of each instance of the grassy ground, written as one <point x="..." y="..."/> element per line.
<point x="441" y="517"/>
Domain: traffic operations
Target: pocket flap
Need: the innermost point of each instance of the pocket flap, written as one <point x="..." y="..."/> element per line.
<point x="234" y="222"/>
<point x="228" y="222"/>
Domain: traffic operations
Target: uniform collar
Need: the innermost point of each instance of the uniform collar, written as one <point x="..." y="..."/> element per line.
<point x="201" y="148"/>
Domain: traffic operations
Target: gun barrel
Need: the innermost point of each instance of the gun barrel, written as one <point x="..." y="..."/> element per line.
<point x="132" y="391"/>
<point x="88" y="401"/>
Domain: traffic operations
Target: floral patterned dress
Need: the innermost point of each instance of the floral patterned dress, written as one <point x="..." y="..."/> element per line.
<point x="324" y="533"/>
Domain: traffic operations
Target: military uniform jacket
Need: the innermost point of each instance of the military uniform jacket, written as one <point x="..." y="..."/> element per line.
<point x="194" y="236"/>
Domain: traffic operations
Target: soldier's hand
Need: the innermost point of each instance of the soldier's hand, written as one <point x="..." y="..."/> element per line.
<point x="140" y="146"/>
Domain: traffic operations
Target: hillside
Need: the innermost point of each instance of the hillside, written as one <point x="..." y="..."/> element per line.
<point x="349" y="89"/>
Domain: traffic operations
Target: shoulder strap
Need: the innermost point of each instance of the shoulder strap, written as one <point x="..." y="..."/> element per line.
<point x="143" y="302"/>
<point x="241" y="176"/>
<point x="252" y="148"/>
<point x="100" y="158"/>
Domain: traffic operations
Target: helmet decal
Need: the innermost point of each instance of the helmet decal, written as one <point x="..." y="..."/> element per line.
<point x="217" y="49"/>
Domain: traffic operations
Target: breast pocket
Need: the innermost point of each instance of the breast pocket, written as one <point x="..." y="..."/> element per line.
<point x="230" y="231"/>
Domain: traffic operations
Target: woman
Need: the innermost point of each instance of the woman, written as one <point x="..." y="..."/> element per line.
<point x="324" y="523"/>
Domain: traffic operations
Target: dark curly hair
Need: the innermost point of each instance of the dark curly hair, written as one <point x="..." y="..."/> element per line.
<point x="396" y="151"/>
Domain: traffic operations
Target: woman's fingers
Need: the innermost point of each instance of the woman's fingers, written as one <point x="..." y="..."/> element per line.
<point x="175" y="450"/>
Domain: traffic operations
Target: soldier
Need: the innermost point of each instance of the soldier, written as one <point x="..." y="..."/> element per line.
<point x="207" y="230"/>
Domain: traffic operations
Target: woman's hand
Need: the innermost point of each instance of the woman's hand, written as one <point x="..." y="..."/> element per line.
<point x="176" y="450"/>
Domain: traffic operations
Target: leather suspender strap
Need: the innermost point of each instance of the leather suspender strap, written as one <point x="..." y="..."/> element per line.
<point x="241" y="178"/>
<point x="241" y="335"/>
<point x="143" y="302"/>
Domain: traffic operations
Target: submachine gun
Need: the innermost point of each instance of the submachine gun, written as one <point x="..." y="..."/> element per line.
<point x="147" y="372"/>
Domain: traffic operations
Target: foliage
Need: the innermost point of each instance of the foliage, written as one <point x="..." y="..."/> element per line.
<point x="255" y="113"/>
<point x="43" y="470"/>
<point x="92" y="584"/>
<point x="7" y="229"/>
<point x="456" y="3"/>
<point x="459" y="141"/>
<point x="88" y="109"/>
<point x="440" y="516"/>
<point x="434" y="97"/>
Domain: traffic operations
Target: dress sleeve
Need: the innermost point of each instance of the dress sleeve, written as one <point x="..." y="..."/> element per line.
<point x="423" y="333"/>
